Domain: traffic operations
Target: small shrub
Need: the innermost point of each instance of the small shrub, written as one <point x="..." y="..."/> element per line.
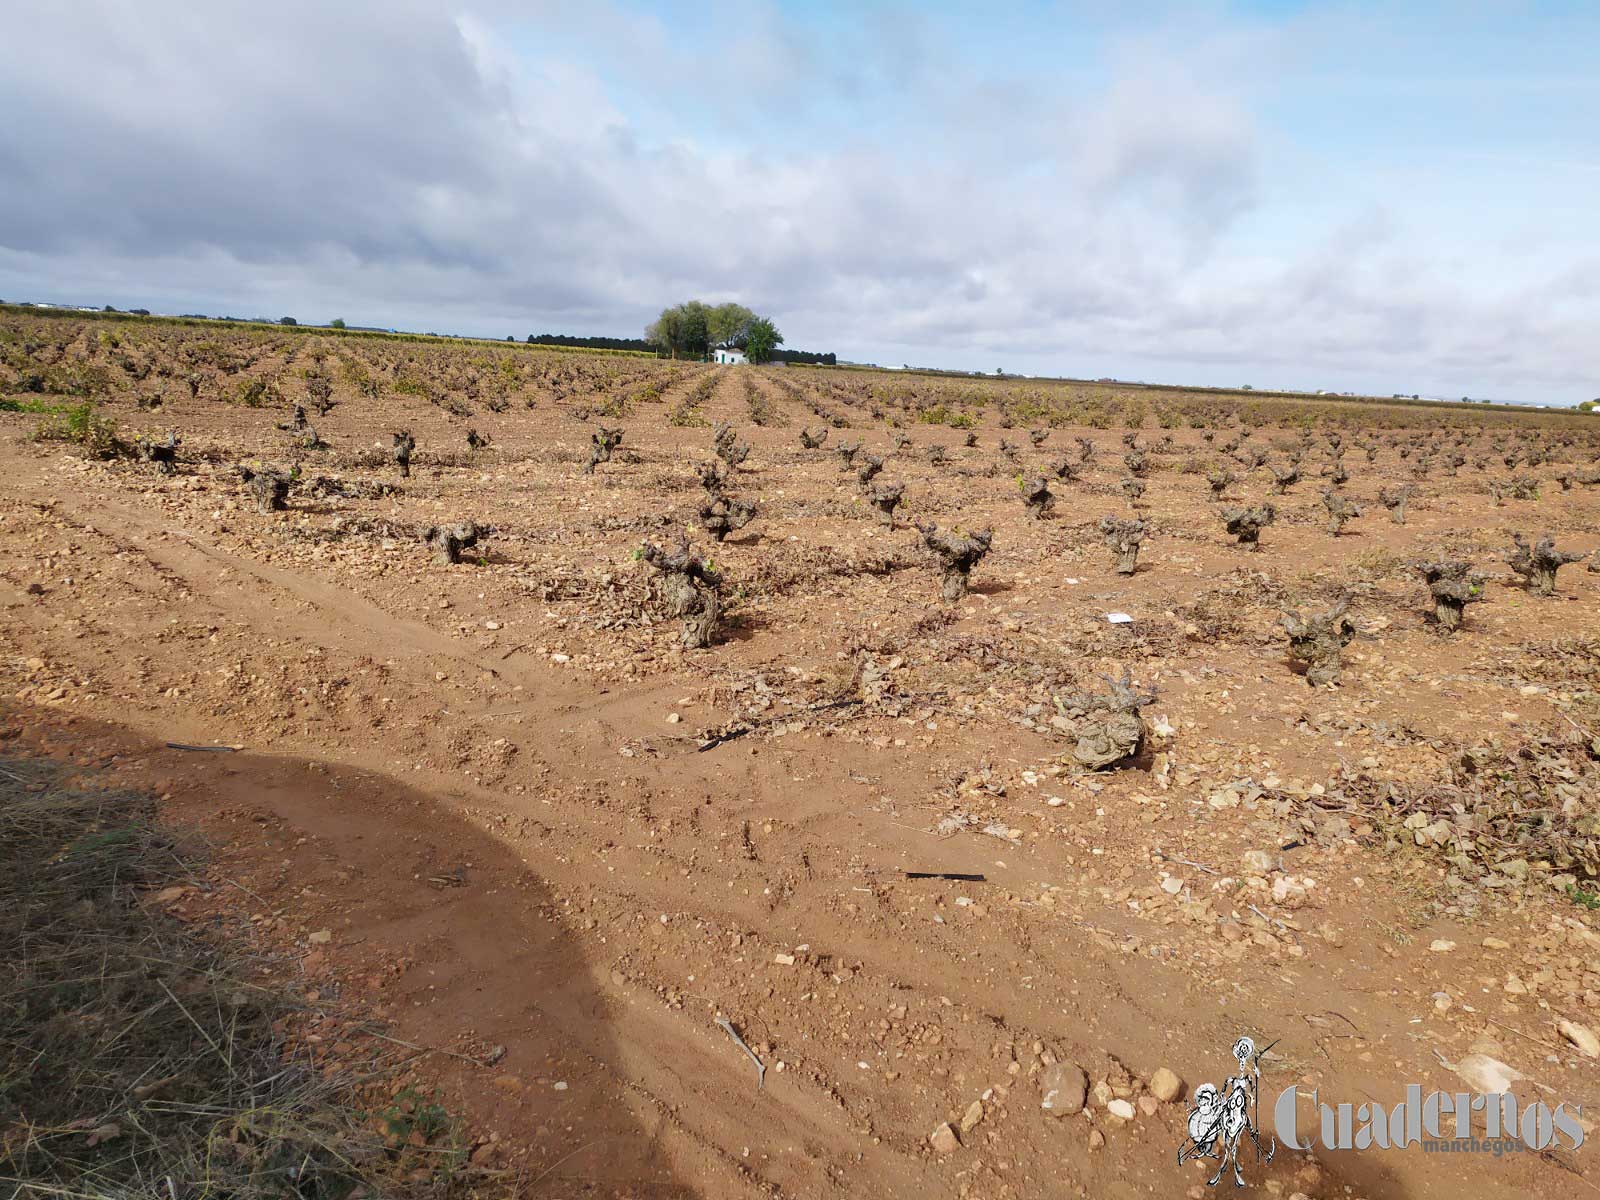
<point x="254" y="392"/>
<point x="689" y="587"/>
<point x="1037" y="497"/>
<point x="1123" y="538"/>
<point x="449" y="541"/>
<point x="162" y="455"/>
<point x="1246" y="524"/>
<point x="1341" y="509"/>
<point x="401" y="447"/>
<point x="886" y="497"/>
<point x="721" y="515"/>
<point x="82" y="426"/>
<point x="728" y="446"/>
<point x="1112" y="729"/>
<point x="1538" y="564"/>
<point x="1452" y="586"/>
<point x="1317" y="641"/>
<point x="1395" y="500"/>
<point x="38" y="407"/>
<point x="958" y="553"/>
<point x="867" y="468"/>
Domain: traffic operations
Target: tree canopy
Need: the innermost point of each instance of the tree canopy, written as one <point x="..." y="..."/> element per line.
<point x="682" y="329"/>
<point x="761" y="338"/>
<point x="729" y="324"/>
<point x="693" y="329"/>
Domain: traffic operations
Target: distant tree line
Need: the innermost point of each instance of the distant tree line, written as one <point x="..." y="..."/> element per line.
<point x="592" y="343"/>
<point x="806" y="357"/>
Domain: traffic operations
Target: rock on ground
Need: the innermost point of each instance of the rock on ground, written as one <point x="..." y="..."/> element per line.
<point x="1065" y="1086"/>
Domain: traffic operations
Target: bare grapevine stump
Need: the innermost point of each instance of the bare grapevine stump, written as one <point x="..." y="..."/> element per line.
<point x="958" y="554"/>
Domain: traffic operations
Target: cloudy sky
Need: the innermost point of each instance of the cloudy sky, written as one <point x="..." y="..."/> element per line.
<point x="1340" y="195"/>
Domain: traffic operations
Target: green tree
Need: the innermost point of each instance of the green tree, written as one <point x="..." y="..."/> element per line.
<point x="287" y="321"/>
<point x="665" y="331"/>
<point x="729" y="325"/>
<point x="692" y="329"/>
<point x="682" y="329"/>
<point x="336" y="323"/>
<point x="761" y="339"/>
<point x="696" y="329"/>
<point x="1590" y="406"/>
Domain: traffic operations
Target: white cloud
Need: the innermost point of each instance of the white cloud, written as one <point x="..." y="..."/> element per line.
<point x="401" y="163"/>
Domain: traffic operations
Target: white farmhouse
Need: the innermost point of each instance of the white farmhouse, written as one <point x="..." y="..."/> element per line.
<point x="728" y="355"/>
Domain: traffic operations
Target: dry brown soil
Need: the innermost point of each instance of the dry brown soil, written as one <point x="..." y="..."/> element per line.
<point x="484" y="782"/>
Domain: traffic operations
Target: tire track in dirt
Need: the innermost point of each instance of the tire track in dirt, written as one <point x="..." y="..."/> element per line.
<point x="193" y="564"/>
<point x="182" y="557"/>
<point x="343" y="620"/>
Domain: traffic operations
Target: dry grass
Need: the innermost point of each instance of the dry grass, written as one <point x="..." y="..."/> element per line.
<point x="136" y="1059"/>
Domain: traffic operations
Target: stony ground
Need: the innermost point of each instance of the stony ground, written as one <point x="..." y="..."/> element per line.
<point x="501" y="806"/>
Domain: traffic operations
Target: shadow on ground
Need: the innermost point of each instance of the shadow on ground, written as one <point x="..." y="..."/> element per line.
<point x="437" y="931"/>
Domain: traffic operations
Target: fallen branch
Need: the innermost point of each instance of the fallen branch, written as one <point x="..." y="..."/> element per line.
<point x="761" y="1067"/>
<point x="477" y="1062"/>
<point x="1520" y="1034"/>
<point x="1269" y="920"/>
<point x="1187" y="863"/>
<point x="710" y="741"/>
<point x="245" y="890"/>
